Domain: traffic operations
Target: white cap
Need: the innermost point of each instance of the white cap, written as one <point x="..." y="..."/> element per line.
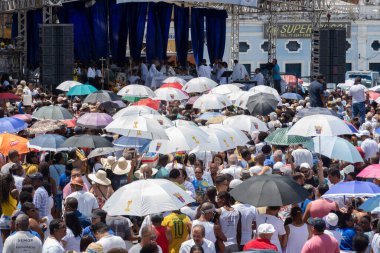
<point x="305" y="165"/>
<point x="234" y="183"/>
<point x="266" y="228"/>
<point x="348" y="169"/>
<point x="331" y="219"/>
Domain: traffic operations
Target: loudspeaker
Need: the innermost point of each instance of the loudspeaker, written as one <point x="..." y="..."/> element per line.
<point x="332" y="53"/>
<point x="56" y="53"/>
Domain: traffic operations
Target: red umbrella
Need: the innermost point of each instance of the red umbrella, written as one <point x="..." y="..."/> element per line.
<point x="9" y="96"/>
<point x="373" y="95"/>
<point x="155" y="104"/>
<point x="372" y="171"/>
<point x="172" y="85"/>
<point x="70" y="123"/>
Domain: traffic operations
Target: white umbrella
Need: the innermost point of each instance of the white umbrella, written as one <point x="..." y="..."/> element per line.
<point x="147" y="196"/>
<point x="181" y="138"/>
<point x="265" y="89"/>
<point x="199" y="85"/>
<point x="242" y="100"/>
<point x="135" y="110"/>
<point x="337" y="148"/>
<point x="218" y="140"/>
<point x="236" y="95"/>
<point x="136" y="90"/>
<point x="236" y="135"/>
<point x="246" y="123"/>
<point x="67" y="85"/>
<point x="162" y="120"/>
<point x="181" y="122"/>
<point x="322" y="125"/>
<point x="225" y="89"/>
<point x="170" y="94"/>
<point x="375" y="88"/>
<point x="174" y="79"/>
<point x="137" y="126"/>
<point x="211" y="102"/>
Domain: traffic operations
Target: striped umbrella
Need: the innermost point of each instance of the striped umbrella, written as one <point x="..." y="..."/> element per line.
<point x="280" y="137"/>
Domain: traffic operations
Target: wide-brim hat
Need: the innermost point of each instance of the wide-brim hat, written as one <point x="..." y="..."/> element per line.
<point x="100" y="177"/>
<point x="139" y="173"/>
<point x="108" y="162"/>
<point x="121" y="167"/>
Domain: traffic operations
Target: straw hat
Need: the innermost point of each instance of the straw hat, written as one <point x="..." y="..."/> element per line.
<point x="100" y="177"/>
<point x="108" y="162"/>
<point x="139" y="173"/>
<point x="122" y="166"/>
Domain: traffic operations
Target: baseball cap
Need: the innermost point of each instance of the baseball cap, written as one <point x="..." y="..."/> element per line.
<point x="305" y="165"/>
<point x="266" y="228"/>
<point x="318" y="224"/>
<point x="331" y="219"/>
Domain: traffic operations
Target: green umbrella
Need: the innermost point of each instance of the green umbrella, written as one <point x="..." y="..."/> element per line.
<point x="280" y="137"/>
<point x="81" y="90"/>
<point x="132" y="99"/>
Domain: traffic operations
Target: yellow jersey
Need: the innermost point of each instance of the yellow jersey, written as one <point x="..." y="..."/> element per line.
<point x="177" y="222"/>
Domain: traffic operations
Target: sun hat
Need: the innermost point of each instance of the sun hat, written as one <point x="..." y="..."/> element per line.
<point x="108" y="162"/>
<point x="331" y="219"/>
<point x="100" y="177"/>
<point x="139" y="173"/>
<point x="122" y="166"/>
<point x="265" y="228"/>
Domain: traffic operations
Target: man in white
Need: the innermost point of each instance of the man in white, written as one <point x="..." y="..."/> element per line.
<point x="239" y="72"/>
<point x="22" y="240"/>
<point x="204" y="70"/>
<point x="258" y="78"/>
<point x="91" y="72"/>
<point x="221" y="69"/>
<point x="369" y="146"/>
<point x="198" y="234"/>
<point x="234" y="170"/>
<point x="87" y="202"/>
<point x="302" y="155"/>
<point x="53" y="244"/>
<point x="148" y="235"/>
<point x="105" y="239"/>
<point x="358" y="94"/>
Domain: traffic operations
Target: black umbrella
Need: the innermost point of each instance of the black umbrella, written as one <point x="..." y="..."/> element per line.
<point x="269" y="190"/>
<point x="262" y="103"/>
<point x="101" y="96"/>
<point x="314" y="111"/>
<point x="86" y="141"/>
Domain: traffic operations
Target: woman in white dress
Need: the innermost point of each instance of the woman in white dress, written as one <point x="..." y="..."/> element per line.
<point x="297" y="232"/>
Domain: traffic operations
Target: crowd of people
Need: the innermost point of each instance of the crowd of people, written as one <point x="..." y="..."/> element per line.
<point x="52" y="202"/>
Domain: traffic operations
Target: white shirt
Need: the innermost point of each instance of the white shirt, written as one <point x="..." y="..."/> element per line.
<point x="302" y="156"/>
<point x="248" y="215"/>
<point x="369" y="147"/>
<point x="98" y="73"/>
<point x="375" y="243"/>
<point x="239" y="72"/>
<point x="51" y="245"/>
<point x="278" y="225"/>
<point x="233" y="170"/>
<point x="111" y="241"/>
<point x="18" y="182"/>
<point x="259" y="78"/>
<point x="136" y="249"/>
<point x="208" y="246"/>
<point x="91" y="73"/>
<point x="204" y="71"/>
<point x="72" y="241"/>
<point x="86" y="202"/>
<point x="357" y="92"/>
<point x="22" y="242"/>
<point x="334" y="233"/>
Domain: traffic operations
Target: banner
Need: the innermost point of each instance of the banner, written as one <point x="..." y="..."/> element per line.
<point x="287" y="30"/>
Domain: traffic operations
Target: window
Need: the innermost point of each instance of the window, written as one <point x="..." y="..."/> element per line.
<point x="293" y="69"/>
<point x="293" y="46"/>
<point x="348" y="45"/>
<point x="243" y="47"/>
<point x="265" y="46"/>
<point x="348" y="66"/>
<point x="375" y="45"/>
<point x="374" y="66"/>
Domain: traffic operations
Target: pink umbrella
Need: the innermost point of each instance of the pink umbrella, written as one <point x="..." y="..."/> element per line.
<point x="23" y="117"/>
<point x="372" y="171"/>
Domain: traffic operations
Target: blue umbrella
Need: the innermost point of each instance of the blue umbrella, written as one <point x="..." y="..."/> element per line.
<point x="291" y="96"/>
<point x="370" y="204"/>
<point x="12" y="125"/>
<point x="353" y="189"/>
<point x="132" y="142"/>
<point x="208" y="115"/>
<point x="47" y="142"/>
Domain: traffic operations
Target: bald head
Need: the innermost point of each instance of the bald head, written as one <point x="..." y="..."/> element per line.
<point x="233" y="159"/>
<point x="22" y="222"/>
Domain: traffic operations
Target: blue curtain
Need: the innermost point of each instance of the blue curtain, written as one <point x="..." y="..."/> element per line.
<point x="75" y="13"/>
<point x="181" y="30"/>
<point x="34" y="19"/>
<point x="197" y="33"/>
<point x="159" y="16"/>
<point x="118" y="31"/>
<point x="216" y="33"/>
<point x="98" y="20"/>
<point x="136" y="16"/>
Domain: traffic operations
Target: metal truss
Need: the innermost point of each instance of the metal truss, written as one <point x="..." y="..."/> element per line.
<point x="234" y="45"/>
<point x="21" y="39"/>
